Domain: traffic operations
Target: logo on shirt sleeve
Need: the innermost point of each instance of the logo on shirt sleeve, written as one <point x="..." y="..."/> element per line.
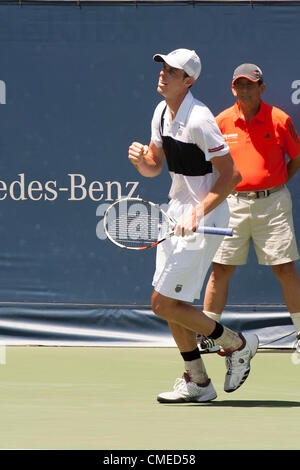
<point x="216" y="149"/>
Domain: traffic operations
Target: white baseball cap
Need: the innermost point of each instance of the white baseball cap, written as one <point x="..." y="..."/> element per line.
<point x="183" y="59"/>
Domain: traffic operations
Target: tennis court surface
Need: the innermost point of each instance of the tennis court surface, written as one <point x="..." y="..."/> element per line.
<point x="105" y="398"/>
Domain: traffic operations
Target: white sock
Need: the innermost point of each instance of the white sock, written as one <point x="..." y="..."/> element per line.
<point x="213" y="316"/>
<point x="296" y="320"/>
<point x="229" y="340"/>
<point x="196" y="370"/>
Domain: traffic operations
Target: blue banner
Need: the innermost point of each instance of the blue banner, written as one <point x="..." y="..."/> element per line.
<point x="77" y="86"/>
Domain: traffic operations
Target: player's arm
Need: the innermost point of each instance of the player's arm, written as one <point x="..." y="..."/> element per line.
<point x="147" y="160"/>
<point x="229" y="177"/>
<point x="293" y="166"/>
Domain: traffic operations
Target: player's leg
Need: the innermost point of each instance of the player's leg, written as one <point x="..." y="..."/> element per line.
<point x="214" y="301"/>
<point x="217" y="288"/>
<point x="275" y="244"/>
<point x="186" y="342"/>
<point x="194" y="385"/>
<point x="239" y="348"/>
<point x="177" y="281"/>
<point x="232" y="251"/>
<point x="289" y="279"/>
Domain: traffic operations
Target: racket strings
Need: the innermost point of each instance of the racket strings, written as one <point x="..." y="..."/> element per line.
<point x="135" y="224"/>
<point x="140" y="229"/>
<point x="138" y="224"/>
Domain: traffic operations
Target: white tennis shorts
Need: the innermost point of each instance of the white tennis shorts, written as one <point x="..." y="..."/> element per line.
<point x="182" y="262"/>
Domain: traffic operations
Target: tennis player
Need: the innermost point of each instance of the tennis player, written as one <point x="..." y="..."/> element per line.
<point x="260" y="136"/>
<point x="185" y="133"/>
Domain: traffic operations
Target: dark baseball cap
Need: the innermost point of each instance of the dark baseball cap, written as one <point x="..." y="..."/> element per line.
<point x="250" y="71"/>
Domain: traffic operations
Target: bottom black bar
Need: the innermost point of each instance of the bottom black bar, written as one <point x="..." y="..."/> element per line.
<point x="93" y="459"/>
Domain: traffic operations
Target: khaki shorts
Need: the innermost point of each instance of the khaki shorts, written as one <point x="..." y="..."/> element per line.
<point x="268" y="222"/>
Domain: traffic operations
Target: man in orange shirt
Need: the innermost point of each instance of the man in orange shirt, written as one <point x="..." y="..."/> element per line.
<point x="259" y="137"/>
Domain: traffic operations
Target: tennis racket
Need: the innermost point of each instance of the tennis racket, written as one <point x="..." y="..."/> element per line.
<point x="137" y="224"/>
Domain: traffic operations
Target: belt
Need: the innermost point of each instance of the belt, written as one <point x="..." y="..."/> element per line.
<point x="257" y="194"/>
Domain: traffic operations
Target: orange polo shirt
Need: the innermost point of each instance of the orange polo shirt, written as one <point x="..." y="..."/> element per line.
<point x="260" y="146"/>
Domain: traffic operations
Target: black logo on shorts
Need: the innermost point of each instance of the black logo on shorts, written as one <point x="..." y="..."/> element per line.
<point x="178" y="288"/>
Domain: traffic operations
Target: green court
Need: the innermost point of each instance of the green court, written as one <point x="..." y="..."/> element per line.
<point x="105" y="398"/>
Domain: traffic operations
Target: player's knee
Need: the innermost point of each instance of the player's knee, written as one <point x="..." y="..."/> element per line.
<point x="161" y="306"/>
<point x="221" y="272"/>
<point x="285" y="271"/>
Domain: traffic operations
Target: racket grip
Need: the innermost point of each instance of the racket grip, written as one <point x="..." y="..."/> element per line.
<point x="215" y="231"/>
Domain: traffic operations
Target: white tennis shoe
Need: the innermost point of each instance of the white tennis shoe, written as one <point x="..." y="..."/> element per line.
<point x="187" y="391"/>
<point x="238" y="362"/>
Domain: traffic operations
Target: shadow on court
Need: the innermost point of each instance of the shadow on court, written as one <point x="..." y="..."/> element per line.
<point x="243" y="404"/>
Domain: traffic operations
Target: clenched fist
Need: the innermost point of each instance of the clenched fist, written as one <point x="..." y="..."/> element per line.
<point x="136" y="152"/>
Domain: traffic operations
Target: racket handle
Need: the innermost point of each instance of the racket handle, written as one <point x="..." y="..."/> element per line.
<point x="215" y="231"/>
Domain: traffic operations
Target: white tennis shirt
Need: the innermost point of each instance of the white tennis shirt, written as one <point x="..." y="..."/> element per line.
<point x="189" y="143"/>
